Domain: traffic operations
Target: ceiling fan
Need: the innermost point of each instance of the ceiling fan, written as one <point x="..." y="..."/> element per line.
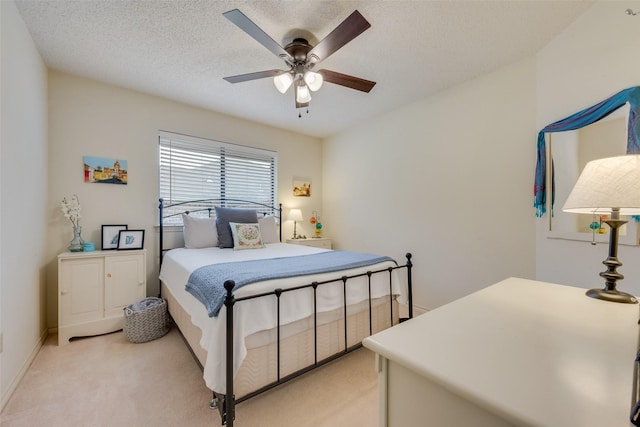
<point x="301" y="58"/>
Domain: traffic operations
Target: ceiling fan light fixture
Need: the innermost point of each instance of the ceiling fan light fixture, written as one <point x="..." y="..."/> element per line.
<point x="313" y="80"/>
<point x="283" y="82"/>
<point x="301" y="57"/>
<point x="303" y="96"/>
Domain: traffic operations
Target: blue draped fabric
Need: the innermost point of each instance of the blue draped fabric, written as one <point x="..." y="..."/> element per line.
<point x="579" y="120"/>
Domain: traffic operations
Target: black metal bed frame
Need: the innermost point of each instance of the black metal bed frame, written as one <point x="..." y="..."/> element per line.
<point x="226" y="406"/>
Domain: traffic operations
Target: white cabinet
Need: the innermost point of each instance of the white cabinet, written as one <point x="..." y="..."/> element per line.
<point x="93" y="289"/>
<point x="317" y="242"/>
<point x="518" y="353"/>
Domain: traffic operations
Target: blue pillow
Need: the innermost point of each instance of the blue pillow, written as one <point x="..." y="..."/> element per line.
<point x="226" y="215"/>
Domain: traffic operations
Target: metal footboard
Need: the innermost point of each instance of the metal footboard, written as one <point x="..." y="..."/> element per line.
<point x="226" y="403"/>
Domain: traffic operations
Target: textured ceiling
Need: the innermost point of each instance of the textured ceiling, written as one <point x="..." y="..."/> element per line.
<point x="182" y="49"/>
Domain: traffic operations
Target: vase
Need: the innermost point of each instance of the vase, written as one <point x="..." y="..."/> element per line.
<point x="76" y="244"/>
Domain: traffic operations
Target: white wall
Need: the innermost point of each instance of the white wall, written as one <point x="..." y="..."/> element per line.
<point x="95" y="119"/>
<point x="23" y="186"/>
<point x="448" y="179"/>
<point x="591" y="60"/>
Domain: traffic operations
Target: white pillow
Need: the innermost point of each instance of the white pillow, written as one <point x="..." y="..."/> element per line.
<point x="246" y="236"/>
<point x="199" y="232"/>
<point x="268" y="229"/>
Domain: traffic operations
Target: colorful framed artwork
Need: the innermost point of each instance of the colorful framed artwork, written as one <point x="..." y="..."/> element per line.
<point x="110" y="236"/>
<point x="104" y="171"/>
<point x="130" y="239"/>
<point x="301" y="187"/>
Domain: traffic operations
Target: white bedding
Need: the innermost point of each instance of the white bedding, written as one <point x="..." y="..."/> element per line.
<point x="260" y="314"/>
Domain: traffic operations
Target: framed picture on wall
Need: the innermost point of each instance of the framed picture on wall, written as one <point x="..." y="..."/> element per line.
<point x="110" y="236"/>
<point x="130" y="239"/>
<point x="301" y="187"/>
<point x="105" y="171"/>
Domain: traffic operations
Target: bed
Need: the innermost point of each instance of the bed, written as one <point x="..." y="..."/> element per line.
<point x="280" y="326"/>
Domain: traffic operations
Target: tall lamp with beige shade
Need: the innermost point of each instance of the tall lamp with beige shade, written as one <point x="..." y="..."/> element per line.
<point x="609" y="186"/>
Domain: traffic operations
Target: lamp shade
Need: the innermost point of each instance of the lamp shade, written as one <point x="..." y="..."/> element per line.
<point x="282" y="82"/>
<point x="303" y="95"/>
<point x="313" y="80"/>
<point x="295" y="215"/>
<point x="607" y="184"/>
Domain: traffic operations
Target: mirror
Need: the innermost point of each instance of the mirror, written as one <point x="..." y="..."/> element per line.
<point x="571" y="151"/>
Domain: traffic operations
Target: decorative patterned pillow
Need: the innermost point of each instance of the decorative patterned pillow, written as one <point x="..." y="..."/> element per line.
<point x="199" y="232"/>
<point x="246" y="236"/>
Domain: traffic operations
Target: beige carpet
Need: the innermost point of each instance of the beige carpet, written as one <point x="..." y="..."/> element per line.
<point x="107" y="381"/>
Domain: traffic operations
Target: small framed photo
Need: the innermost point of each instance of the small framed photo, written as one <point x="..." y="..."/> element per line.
<point x="110" y="236"/>
<point x="130" y="239"/>
<point x="301" y="187"/>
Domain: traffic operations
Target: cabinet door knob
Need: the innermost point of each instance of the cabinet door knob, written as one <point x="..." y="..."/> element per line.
<point x="64" y="292"/>
<point x="109" y="275"/>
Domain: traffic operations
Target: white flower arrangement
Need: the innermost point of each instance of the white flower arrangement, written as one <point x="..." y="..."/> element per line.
<point x="71" y="210"/>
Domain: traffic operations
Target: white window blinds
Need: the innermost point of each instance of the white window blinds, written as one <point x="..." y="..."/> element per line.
<point x="193" y="169"/>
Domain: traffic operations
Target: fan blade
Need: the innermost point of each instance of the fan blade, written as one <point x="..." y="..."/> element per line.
<point x="249" y="27"/>
<point x="345" y="80"/>
<point x="348" y="30"/>
<point x="253" y="76"/>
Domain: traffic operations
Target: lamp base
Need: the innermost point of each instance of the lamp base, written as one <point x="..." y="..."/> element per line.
<point x="612" y="295"/>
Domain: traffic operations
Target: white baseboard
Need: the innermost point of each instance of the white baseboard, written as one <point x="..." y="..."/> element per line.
<point x="25" y="366"/>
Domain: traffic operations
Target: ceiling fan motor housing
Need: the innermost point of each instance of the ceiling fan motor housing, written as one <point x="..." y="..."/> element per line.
<point x="298" y="49"/>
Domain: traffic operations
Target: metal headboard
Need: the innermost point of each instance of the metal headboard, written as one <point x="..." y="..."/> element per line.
<point x="173" y="210"/>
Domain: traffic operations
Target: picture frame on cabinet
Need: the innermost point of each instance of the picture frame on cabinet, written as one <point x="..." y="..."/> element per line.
<point x="111" y="236"/>
<point x="130" y="239"/>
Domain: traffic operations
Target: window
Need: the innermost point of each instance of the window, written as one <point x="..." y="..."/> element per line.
<point x="196" y="169"/>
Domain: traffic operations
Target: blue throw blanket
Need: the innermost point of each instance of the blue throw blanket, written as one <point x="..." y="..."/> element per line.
<point x="207" y="283"/>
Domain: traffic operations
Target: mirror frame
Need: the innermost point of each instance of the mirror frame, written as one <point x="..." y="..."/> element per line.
<point x="590" y="115"/>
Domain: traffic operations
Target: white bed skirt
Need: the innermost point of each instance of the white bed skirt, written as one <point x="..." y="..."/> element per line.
<point x="259" y="367"/>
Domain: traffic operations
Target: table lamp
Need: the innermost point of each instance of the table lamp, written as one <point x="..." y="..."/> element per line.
<point x="609" y="186"/>
<point x="295" y="215"/>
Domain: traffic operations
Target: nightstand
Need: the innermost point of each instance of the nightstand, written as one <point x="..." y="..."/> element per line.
<point x="93" y="289"/>
<point x="317" y="242"/>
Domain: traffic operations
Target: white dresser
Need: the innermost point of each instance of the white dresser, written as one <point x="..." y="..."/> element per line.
<point x="518" y="353"/>
<point x="318" y="242"/>
<point x="93" y="289"/>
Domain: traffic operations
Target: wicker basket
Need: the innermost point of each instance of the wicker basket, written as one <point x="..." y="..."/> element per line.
<point x="145" y="320"/>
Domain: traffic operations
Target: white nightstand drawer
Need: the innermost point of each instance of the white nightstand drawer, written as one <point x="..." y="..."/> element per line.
<point x="320" y="242"/>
